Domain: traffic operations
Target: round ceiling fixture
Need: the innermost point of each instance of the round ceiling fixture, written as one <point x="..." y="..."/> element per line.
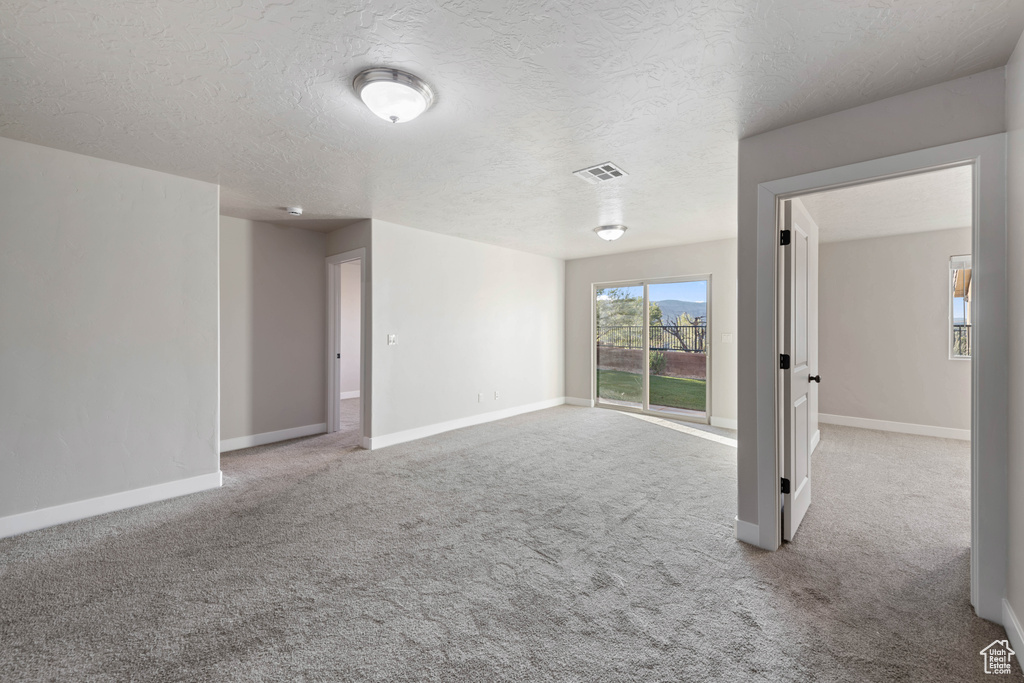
<point x="293" y="210"/>
<point x="610" y="232"/>
<point x="393" y="95"/>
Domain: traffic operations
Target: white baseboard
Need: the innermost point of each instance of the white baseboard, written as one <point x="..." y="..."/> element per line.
<point x="429" y="430"/>
<point x="815" y="440"/>
<point x="271" y="437"/>
<point x="901" y="427"/>
<point x="747" y="532"/>
<point x="1013" y="629"/>
<point x="69" y="512"/>
<point x="348" y="394"/>
<point x="724" y="422"/>
<point x="585" y="402"/>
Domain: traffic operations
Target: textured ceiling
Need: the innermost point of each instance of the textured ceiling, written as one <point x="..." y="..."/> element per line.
<point x="938" y="200"/>
<point x="256" y="96"/>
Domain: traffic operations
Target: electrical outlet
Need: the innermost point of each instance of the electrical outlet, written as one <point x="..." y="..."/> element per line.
<point x="392" y="339"/>
<point x="495" y="395"/>
<point x="479" y="398"/>
<point x="727" y="337"/>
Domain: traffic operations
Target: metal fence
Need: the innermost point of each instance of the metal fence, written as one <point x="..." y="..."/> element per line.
<point x="663" y="337"/>
<point x="961" y="340"/>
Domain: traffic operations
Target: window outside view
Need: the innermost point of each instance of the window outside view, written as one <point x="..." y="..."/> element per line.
<point x="676" y="344"/>
<point x="960" y="306"/>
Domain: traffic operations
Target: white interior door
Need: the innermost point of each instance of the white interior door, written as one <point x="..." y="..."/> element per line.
<point x="799" y="246"/>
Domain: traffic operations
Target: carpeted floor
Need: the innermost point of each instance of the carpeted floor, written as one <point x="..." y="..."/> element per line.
<point x="567" y="545"/>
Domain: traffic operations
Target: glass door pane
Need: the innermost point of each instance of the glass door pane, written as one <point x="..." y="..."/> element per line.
<point x="620" y="345"/>
<point x="678" y="347"/>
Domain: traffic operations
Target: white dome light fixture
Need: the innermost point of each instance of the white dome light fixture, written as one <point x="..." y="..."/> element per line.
<point x="393" y="95"/>
<point x="610" y="233"/>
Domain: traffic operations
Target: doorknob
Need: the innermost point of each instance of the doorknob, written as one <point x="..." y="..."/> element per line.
<point x="814" y="378"/>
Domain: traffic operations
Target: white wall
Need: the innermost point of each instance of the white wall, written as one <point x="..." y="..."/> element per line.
<point x="108" y="306"/>
<point x="963" y="109"/>
<point x="469" y="318"/>
<point x="717" y="258"/>
<point x="884" y="330"/>
<point x="273" y="307"/>
<point x="351" y="326"/>
<point x="1015" y="268"/>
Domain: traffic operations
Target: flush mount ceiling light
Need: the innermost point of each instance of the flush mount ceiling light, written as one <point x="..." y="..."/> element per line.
<point x="610" y="232"/>
<point x="393" y="95"/>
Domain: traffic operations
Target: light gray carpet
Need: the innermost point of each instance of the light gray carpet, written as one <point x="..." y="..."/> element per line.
<point x="567" y="545"/>
<point x="348" y="423"/>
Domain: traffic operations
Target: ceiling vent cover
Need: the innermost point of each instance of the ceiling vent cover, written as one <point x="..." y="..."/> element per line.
<point x="601" y="173"/>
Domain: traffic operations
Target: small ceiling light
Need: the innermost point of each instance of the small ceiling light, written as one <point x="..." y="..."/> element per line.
<point x="294" y="210"/>
<point x="610" y="232"/>
<point x="393" y="95"/>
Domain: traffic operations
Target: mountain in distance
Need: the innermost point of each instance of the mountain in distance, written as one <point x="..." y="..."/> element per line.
<point x="670" y="308"/>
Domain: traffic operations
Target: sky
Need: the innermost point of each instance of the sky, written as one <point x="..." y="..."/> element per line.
<point x="681" y="291"/>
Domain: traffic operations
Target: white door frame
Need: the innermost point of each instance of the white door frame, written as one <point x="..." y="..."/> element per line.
<point x="334" y="339"/>
<point x="989" y="380"/>
<point x="709" y="347"/>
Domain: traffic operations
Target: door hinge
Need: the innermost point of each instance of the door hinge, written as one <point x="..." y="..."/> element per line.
<point x="785" y="237"/>
<point x="785" y="485"/>
<point x="784" y="361"/>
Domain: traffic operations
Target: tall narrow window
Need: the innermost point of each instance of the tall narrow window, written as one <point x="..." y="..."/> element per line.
<point x="960" y="306"/>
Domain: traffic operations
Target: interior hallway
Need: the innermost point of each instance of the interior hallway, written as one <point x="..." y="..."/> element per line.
<point x="567" y="544"/>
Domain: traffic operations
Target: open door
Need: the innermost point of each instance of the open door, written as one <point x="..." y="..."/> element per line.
<point x="798" y="252"/>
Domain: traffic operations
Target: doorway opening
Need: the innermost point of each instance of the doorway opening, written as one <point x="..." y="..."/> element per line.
<point x="652" y="346"/>
<point x="760" y="442"/>
<point x="346" y="317"/>
<point x="874" y="325"/>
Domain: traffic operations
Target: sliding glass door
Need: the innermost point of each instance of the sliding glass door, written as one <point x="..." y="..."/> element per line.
<point x="652" y="346"/>
<point x="620" y="356"/>
<point x="678" y="313"/>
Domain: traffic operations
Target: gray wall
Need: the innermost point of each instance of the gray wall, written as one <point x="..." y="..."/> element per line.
<point x="469" y="318"/>
<point x="108" y="306"/>
<point x="717" y="258"/>
<point x="884" y="330"/>
<point x="273" y="298"/>
<point x="958" y="110"/>
<point x="1015" y="268"/>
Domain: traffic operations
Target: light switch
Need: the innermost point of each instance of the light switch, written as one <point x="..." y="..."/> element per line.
<point x="727" y="337"/>
<point x="392" y="340"/>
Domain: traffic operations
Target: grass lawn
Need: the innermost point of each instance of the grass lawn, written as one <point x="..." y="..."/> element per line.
<point x="672" y="392"/>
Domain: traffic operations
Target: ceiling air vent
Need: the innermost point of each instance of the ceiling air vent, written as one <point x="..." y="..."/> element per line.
<point x="600" y="173"/>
